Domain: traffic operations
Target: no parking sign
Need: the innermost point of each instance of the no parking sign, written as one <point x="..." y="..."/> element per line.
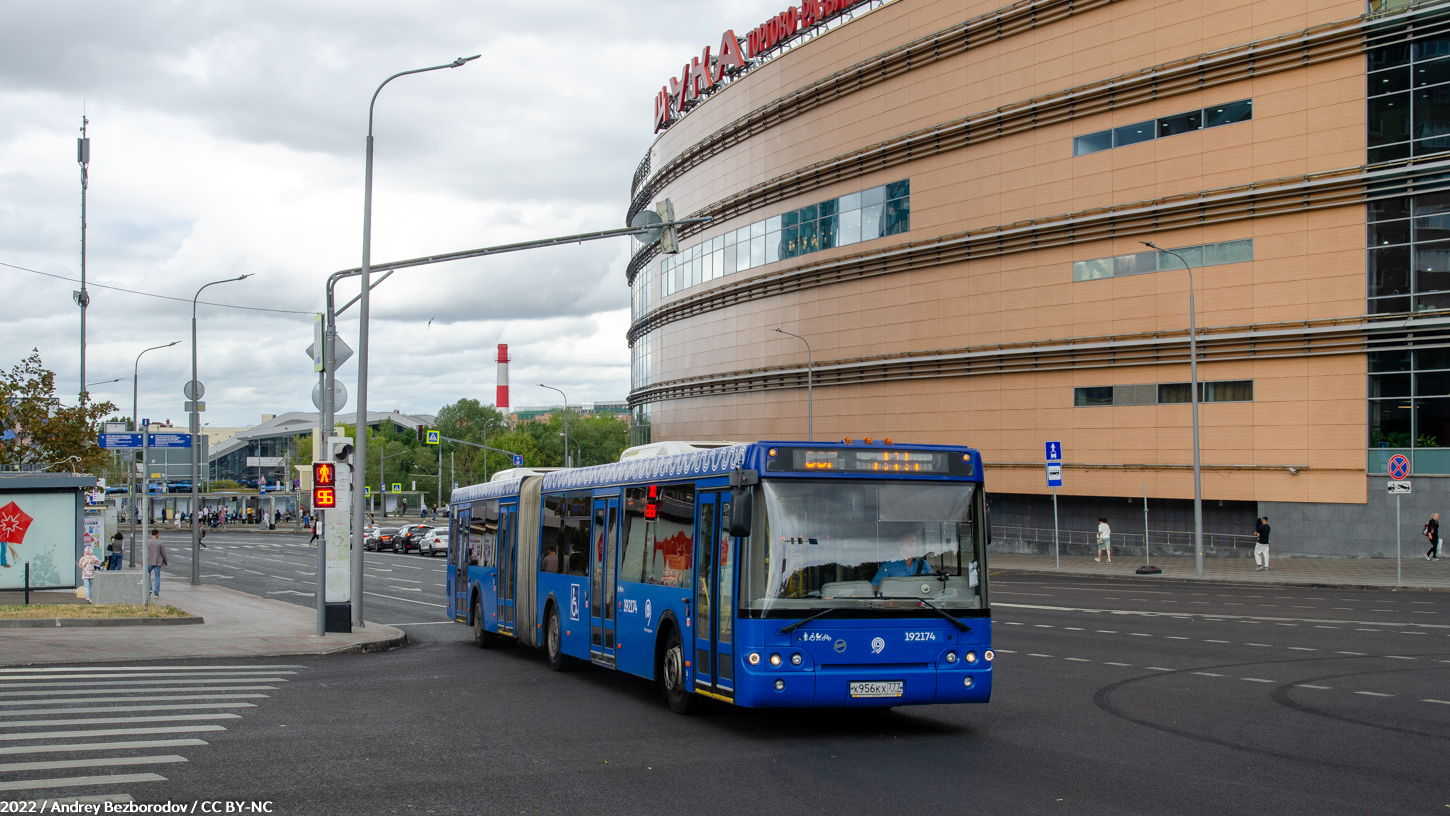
<point x="1399" y="466"/>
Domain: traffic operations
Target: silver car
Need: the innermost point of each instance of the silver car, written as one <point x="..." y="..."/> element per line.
<point x="435" y="542"/>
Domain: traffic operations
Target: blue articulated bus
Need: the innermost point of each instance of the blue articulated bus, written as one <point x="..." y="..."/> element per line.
<point x="784" y="574"/>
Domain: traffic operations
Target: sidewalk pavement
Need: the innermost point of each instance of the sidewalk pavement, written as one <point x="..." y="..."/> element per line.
<point x="237" y="625"/>
<point x="1366" y="573"/>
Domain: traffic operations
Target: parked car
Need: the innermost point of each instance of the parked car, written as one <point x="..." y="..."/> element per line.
<point x="435" y="542"/>
<point x="411" y="535"/>
<point x="381" y="538"/>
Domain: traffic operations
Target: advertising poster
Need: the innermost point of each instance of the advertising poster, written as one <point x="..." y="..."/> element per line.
<point x="38" y="528"/>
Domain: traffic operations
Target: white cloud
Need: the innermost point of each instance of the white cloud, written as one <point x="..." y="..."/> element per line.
<point x="228" y="139"/>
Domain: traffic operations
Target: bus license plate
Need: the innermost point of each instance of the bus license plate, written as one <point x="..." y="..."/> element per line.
<point x="887" y="688"/>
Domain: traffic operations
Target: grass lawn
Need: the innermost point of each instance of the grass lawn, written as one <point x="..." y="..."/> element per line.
<point x="11" y="611"/>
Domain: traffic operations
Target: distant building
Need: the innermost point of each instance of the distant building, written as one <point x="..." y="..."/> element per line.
<point x="546" y="412"/>
<point x="284" y="436"/>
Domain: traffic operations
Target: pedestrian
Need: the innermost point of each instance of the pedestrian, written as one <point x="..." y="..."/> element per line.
<point x="1432" y="532"/>
<point x="1261" y="545"/>
<point x="155" y="560"/>
<point x="316" y="533"/>
<point x="1105" y="544"/>
<point x="113" y="552"/>
<point x="88" y="564"/>
<point x="201" y="539"/>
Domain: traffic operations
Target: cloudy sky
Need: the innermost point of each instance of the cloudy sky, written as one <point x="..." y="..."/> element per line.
<point x="228" y="138"/>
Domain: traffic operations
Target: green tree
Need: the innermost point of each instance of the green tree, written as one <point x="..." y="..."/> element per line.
<point x="40" y="432"/>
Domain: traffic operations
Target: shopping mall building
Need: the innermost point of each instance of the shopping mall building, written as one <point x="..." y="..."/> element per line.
<point x="949" y="199"/>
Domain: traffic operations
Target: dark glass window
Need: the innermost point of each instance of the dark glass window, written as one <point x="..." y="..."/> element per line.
<point x="1432" y="267"/>
<point x="897" y="218"/>
<point x="1228" y="391"/>
<point x="1389" y="385"/>
<point x="672" y="554"/>
<point x="808" y="237"/>
<point x="808" y="213"/>
<point x="1436" y="384"/>
<point x="1092" y="143"/>
<point x="1389" y="271"/>
<point x="1425" y="359"/>
<point x="1389" y="55"/>
<point x="898" y="189"/>
<point x="1432" y="423"/>
<point x="636" y="536"/>
<point x="1386" y="233"/>
<point x="1389" y="119"/>
<point x="1389" y="361"/>
<point x="1241" y="111"/>
<point x="1432" y="120"/>
<point x="826" y="231"/>
<point x="1431" y="48"/>
<point x="1182" y="123"/>
<point x="1389" y="305"/>
<point x="1169" y="393"/>
<point x="1389" y="423"/>
<point x="1433" y="72"/>
<point x="1385" y="208"/>
<point x="1434" y="302"/>
<point x="1132" y="134"/>
<point x="828" y="208"/>
<point x="1383" y="82"/>
<point x="1098" y="395"/>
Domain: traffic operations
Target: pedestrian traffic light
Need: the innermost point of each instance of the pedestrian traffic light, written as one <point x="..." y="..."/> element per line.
<point x="421" y="435"/>
<point x="324" y="485"/>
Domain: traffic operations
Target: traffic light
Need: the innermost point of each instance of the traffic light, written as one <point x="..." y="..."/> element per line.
<point x="324" y="485"/>
<point x="421" y="436"/>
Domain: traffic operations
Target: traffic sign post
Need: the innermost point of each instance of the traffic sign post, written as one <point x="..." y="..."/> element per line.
<point x="518" y="460"/>
<point x="1398" y="486"/>
<point x="1053" y="452"/>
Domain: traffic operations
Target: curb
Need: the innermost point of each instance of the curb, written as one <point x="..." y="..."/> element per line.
<point x="41" y="623"/>
<point x="1225" y="581"/>
<point x="375" y="646"/>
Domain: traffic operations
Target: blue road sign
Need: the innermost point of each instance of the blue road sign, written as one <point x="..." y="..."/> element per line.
<point x="518" y="460"/>
<point x="1054" y="475"/>
<point x="1054" y="451"/>
<point x="1399" y="466"/>
<point x="169" y="440"/>
<point x="145" y="422"/>
<point x="121" y="440"/>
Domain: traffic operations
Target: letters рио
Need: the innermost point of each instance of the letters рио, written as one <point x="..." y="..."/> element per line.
<point x="702" y="74"/>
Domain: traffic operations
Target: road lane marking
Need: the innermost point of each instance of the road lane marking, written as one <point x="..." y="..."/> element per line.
<point x="77" y="781"/>
<point x="1311" y="685"/>
<point x="1401" y="657"/>
<point x="1220" y="617"/>
<point x="424" y="603"/>
<point x="107" y="720"/>
<point x="111" y="732"/>
<point x="1074" y="628"/>
<point x="1303" y="649"/>
<point x="1108" y="663"/>
<point x="1034" y="654"/>
<point x="204" y="681"/>
<point x="1259" y="644"/>
<point x="1139" y="634"/>
<point x="1257" y="680"/>
<point x="1373" y="694"/>
<point x="91" y="709"/>
<point x="1043" y="626"/>
<point x="1159" y="668"/>
<point x="1208" y="674"/>
<point x="1215" y="641"/>
<point x="1107" y="631"/>
<point x="179" y="676"/>
<point x="1441" y="702"/>
<point x="53" y="765"/>
<point x="100" y="691"/>
<point x="1175" y="637"/>
<point x="436" y="623"/>
<point x="64" y="748"/>
<point x="1078" y="659"/>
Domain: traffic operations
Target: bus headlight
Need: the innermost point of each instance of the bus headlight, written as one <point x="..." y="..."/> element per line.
<point x="775" y="660"/>
<point x="795" y="659"/>
<point x="951" y="657"/>
<point x="967" y="681"/>
<point x="971" y="657"/>
<point x="754" y="658"/>
<point x="780" y="685"/>
<point x="988" y="655"/>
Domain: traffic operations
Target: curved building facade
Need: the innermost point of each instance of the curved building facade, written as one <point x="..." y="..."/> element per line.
<point x="948" y="201"/>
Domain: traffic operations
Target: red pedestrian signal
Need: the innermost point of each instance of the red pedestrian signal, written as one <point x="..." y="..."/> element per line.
<point x="324" y="474"/>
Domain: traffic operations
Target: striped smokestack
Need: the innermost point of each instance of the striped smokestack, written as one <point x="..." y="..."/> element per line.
<point x="502" y="400"/>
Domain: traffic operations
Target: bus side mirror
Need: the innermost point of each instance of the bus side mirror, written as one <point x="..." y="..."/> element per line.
<point x="741" y="510"/>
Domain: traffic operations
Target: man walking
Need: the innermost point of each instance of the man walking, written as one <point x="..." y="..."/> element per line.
<point x="1432" y="532"/>
<point x="155" y="560"/>
<point x="1261" y="544"/>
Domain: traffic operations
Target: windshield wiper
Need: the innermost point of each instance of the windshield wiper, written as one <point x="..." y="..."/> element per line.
<point x="929" y="605"/>
<point x="798" y="624"/>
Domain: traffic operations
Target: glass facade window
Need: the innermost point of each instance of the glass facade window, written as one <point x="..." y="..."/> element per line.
<point x="1409" y="254"/>
<point x="836" y="222"/>
<point x="1409" y="408"/>
<point x="1166" y="393"/>
<point x="640" y="361"/>
<point x="1408" y="85"/>
<point x="1141" y="263"/>
<point x="1216" y="116"/>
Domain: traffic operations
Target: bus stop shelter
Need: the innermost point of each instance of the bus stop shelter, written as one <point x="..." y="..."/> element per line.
<point x="43" y="525"/>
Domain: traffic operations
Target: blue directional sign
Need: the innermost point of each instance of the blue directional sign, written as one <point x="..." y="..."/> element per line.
<point x="169" y="440"/>
<point x="518" y="460"/>
<point x="1054" y="475"/>
<point x="1054" y="451"/>
<point x="121" y="440"/>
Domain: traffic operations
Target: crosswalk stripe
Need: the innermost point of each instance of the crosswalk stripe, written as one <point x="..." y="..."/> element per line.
<point x="50" y="684"/>
<point x="241" y="675"/>
<point x="65" y="748"/>
<point x="75" y="781"/>
<point x="147" y="690"/>
<point x="111" y="732"/>
<point x="91" y="708"/>
<point x="219" y="715"/>
<point x="31" y="670"/>
<point x="90" y="763"/>
<point x="72" y="700"/>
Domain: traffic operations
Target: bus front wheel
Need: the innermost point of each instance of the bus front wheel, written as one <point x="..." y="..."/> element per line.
<point x="482" y="638"/>
<point x="672" y="676"/>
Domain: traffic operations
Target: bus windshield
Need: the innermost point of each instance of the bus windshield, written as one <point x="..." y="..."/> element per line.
<point x="862" y="545"/>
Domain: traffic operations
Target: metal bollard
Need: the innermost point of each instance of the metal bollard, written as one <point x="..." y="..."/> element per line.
<point x="27" y="583"/>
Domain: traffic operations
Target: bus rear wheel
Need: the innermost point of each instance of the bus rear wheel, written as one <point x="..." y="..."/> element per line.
<point x="672" y="676"/>
<point x="554" y="642"/>
<point x="482" y="638"/>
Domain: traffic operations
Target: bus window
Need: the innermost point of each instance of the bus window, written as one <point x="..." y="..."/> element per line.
<point x="727" y="581"/>
<point x="631" y="562"/>
<point x="481" y="532"/>
<point x="574" y="535"/>
<point x="551" y="517"/>
<point x="673" y="553"/>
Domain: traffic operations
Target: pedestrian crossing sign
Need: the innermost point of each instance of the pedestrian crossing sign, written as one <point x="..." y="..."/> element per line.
<point x="432" y="437"/>
<point x="397" y="488"/>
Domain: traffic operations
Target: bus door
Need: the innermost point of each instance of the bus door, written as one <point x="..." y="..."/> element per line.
<point x="507" y="538"/>
<point x="714" y="598"/>
<point x="459" y="542"/>
<point x="604" y="545"/>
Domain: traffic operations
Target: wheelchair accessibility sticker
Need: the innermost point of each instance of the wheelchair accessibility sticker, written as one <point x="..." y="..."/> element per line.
<point x="573" y="602"/>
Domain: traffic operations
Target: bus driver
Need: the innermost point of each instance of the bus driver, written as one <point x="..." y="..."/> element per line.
<point x="907" y="565"/>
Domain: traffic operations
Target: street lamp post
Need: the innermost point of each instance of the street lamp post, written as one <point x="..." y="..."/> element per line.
<point x="1193" y="395"/>
<point x="195" y="428"/>
<point x="360" y="448"/>
<point x="566" y="420"/>
<point x="810" y="404"/>
<point x="577" y="447"/>
<point x="136" y="423"/>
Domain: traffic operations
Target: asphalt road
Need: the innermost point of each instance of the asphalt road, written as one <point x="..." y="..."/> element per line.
<point x="1114" y="697"/>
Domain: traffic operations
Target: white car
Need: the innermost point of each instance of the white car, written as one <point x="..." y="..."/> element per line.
<point x="435" y="542"/>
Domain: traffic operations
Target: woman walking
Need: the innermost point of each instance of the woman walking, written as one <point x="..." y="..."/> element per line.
<point x="1105" y="544"/>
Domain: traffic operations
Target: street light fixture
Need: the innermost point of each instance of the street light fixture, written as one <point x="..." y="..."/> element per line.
<point x="810" y="404"/>
<point x="566" y="420"/>
<point x="195" y="428"/>
<point x="1193" y="394"/>
<point x="103" y="382"/>
<point x="577" y="447"/>
<point x="136" y="423"/>
<point x="361" y="447"/>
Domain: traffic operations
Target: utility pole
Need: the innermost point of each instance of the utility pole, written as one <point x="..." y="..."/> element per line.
<point x="83" y="297"/>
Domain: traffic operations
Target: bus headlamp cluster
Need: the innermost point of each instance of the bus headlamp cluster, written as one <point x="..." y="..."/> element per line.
<point x="971" y="657"/>
<point x="775" y="660"/>
<point x="988" y="655"/>
<point x="754" y="658"/>
<point x="795" y="659"/>
<point x="951" y="657"/>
